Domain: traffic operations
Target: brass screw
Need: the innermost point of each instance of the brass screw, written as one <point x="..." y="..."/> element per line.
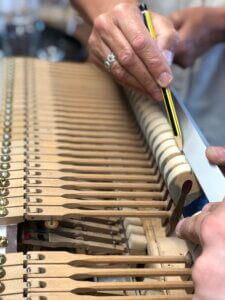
<point x="4" y="183"/>
<point x="2" y="272"/>
<point x="51" y="224"/>
<point x="4" y="192"/>
<point x="3" y="212"/>
<point x="3" y="242"/>
<point x="8" y="111"/>
<point x="2" y="259"/>
<point x="5" y="158"/>
<point x="6" y="143"/>
<point x="5" y="166"/>
<point x="7" y="123"/>
<point x="4" y="174"/>
<point x="4" y="202"/>
<point x="8" y="117"/>
<point x="8" y="105"/>
<point x="6" y="136"/>
<point x="6" y="150"/>
<point x="7" y="129"/>
<point x="2" y="287"/>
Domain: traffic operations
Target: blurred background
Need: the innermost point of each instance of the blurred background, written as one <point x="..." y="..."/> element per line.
<point x="47" y="29"/>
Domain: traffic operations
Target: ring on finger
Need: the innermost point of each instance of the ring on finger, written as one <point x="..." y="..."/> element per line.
<point x="110" y="59"/>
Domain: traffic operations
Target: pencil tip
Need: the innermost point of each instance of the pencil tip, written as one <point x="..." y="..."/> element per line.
<point x="179" y="142"/>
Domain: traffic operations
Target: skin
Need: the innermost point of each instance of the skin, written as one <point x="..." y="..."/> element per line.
<point x="208" y="230"/>
<point x="199" y="29"/>
<point x="118" y="27"/>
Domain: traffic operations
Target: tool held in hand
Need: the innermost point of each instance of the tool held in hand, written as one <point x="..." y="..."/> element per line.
<point x="166" y="93"/>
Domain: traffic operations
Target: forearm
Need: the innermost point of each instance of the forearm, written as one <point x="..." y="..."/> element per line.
<point x="91" y="10"/>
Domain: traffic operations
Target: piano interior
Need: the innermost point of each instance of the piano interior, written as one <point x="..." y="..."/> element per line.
<point x="92" y="187"/>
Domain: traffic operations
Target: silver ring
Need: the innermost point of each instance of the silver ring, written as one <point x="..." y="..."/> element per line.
<point x="110" y="59"/>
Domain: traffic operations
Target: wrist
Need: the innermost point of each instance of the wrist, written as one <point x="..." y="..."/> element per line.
<point x="91" y="12"/>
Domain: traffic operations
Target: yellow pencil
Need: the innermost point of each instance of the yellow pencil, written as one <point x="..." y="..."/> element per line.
<point x="166" y="93"/>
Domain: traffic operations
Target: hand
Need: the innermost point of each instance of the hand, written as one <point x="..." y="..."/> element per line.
<point x="216" y="155"/>
<point x="198" y="30"/>
<point x="208" y="229"/>
<point x="140" y="61"/>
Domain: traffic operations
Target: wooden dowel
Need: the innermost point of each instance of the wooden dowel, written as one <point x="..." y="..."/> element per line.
<point x="48" y="201"/>
<point x="94" y="194"/>
<point x="74" y="259"/>
<point x="90" y="169"/>
<point x="64" y="183"/>
<point x="64" y="285"/>
<point x="66" y="271"/>
<point x="59" y="213"/>
<point x="95" y="177"/>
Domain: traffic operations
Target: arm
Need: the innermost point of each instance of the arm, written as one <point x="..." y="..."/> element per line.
<point x="118" y="27"/>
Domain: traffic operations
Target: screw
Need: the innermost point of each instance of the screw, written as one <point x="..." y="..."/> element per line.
<point x="8" y="105"/>
<point x="6" y="136"/>
<point x="5" y="166"/>
<point x="8" y="117"/>
<point x="7" y="123"/>
<point x="4" y="202"/>
<point x="4" y="192"/>
<point x="6" y="143"/>
<point x="8" y="111"/>
<point x="4" y="183"/>
<point x="3" y="242"/>
<point x="2" y="259"/>
<point x="7" y="129"/>
<point x="2" y="272"/>
<point x="6" y="150"/>
<point x="5" y="158"/>
<point x="2" y="287"/>
<point x="4" y="174"/>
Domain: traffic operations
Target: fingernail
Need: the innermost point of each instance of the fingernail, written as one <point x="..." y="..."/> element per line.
<point x="178" y="228"/>
<point x="165" y="79"/>
<point x="169" y="55"/>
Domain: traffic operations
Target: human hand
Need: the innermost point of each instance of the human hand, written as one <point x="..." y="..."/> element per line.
<point x="216" y="155"/>
<point x="198" y="30"/>
<point x="208" y="229"/>
<point x="140" y="61"/>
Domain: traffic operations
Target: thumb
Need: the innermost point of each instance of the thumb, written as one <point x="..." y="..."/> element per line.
<point x="167" y="36"/>
<point x="190" y="228"/>
<point x="177" y="19"/>
<point x="216" y="155"/>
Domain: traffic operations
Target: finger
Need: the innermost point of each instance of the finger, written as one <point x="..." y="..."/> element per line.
<point x="99" y="51"/>
<point x="128" y="82"/>
<point x="144" y="46"/>
<point x="131" y="62"/>
<point x="177" y="19"/>
<point x="210" y="207"/>
<point x="216" y="155"/>
<point x="185" y="53"/>
<point x="190" y="228"/>
<point x="167" y="36"/>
